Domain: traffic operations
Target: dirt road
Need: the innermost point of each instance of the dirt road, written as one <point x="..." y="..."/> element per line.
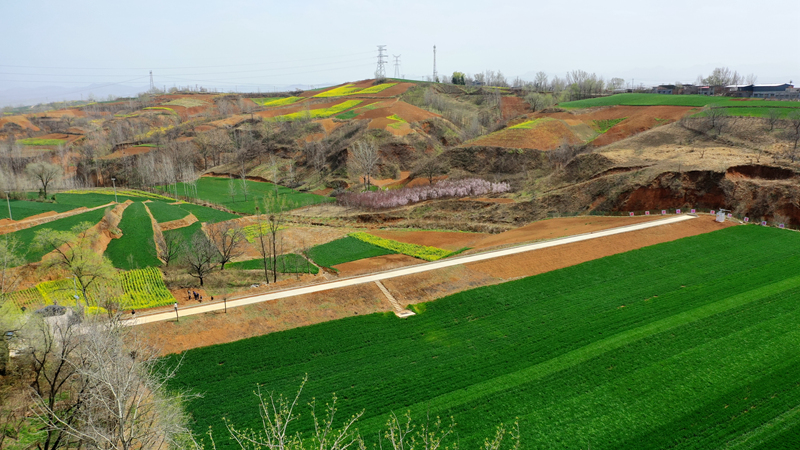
<point x="404" y="271"/>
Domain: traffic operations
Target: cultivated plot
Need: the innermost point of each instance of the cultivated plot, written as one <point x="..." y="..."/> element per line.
<point x="688" y="344"/>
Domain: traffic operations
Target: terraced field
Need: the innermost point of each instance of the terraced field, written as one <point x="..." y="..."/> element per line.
<point x="136" y="248"/>
<point x="675" y="100"/>
<point x="26" y="236"/>
<point x="215" y="190"/>
<point x="345" y="250"/>
<point x="289" y="263"/>
<point x="688" y="344"/>
<point x="164" y="212"/>
<point x="21" y="209"/>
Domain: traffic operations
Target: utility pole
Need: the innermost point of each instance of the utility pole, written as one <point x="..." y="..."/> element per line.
<point x="380" y="71"/>
<point x="152" y="86"/>
<point x="397" y="66"/>
<point x="435" y="75"/>
<point x="9" y="207"/>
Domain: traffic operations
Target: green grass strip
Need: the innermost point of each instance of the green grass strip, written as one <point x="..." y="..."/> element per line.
<point x="601" y="126"/>
<point x="206" y="214"/>
<point x="22" y="209"/>
<point x="165" y="212"/>
<point x="417" y="251"/>
<point x="25" y="237"/>
<point x="636" y="99"/>
<point x="289" y="263"/>
<point x="37" y="141"/>
<point x="135" y="249"/>
<point x="344" y="250"/>
<point x="348" y="115"/>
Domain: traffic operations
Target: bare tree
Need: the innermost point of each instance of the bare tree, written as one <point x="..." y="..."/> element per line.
<point x="263" y="241"/>
<point x="431" y="167"/>
<point x="229" y="239"/>
<point x="200" y="256"/>
<point x="316" y="153"/>
<point x="560" y="156"/>
<point x="232" y="188"/>
<point x="54" y="355"/>
<point x="276" y="208"/>
<point x="10" y="251"/>
<point x="243" y="181"/>
<point x="124" y="403"/>
<point x="278" y="412"/>
<point x="540" y="82"/>
<point x="794" y="129"/>
<point x="72" y="253"/>
<point x="44" y="173"/>
<point x="773" y="117"/>
<point x="539" y="101"/>
<point x="364" y="157"/>
<point x="615" y="83"/>
<point x="716" y="116"/>
<point x="721" y="76"/>
<point x="169" y="246"/>
<point x="205" y="148"/>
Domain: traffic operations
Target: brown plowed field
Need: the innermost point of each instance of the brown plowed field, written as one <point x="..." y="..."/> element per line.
<point x="638" y="119"/>
<point x="488" y="200"/>
<point x="447" y="240"/>
<point x="405" y="111"/>
<point x="130" y="151"/>
<point x="511" y="106"/>
<point x="262" y="318"/>
<point x="399" y="128"/>
<point x="230" y="121"/>
<point x="393" y="91"/>
<point x="423" y="181"/>
<point x="545" y="260"/>
<point x="560" y="227"/>
<point x="375" y="264"/>
<point x="543" y="136"/>
<point x="577" y="127"/>
<point x="22" y="121"/>
<point x="62" y="113"/>
<point x="390" y="181"/>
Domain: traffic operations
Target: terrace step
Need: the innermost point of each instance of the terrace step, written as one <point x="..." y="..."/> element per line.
<point x="399" y="311"/>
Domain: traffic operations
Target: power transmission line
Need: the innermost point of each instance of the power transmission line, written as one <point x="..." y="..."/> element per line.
<point x="202" y="73"/>
<point x="380" y="72"/>
<point x="184" y="67"/>
<point x="397" y="66"/>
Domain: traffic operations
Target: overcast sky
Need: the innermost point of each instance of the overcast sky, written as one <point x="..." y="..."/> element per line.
<point x="255" y="45"/>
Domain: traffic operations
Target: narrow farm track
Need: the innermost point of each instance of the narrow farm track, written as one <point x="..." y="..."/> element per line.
<point x="200" y="309"/>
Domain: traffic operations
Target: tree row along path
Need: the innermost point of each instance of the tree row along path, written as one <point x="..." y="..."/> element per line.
<point x="376" y="277"/>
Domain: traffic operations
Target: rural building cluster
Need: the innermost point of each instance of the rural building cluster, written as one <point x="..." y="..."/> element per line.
<point x="782" y="91"/>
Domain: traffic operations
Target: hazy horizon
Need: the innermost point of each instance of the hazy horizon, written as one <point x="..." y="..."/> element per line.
<point x="260" y="46"/>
